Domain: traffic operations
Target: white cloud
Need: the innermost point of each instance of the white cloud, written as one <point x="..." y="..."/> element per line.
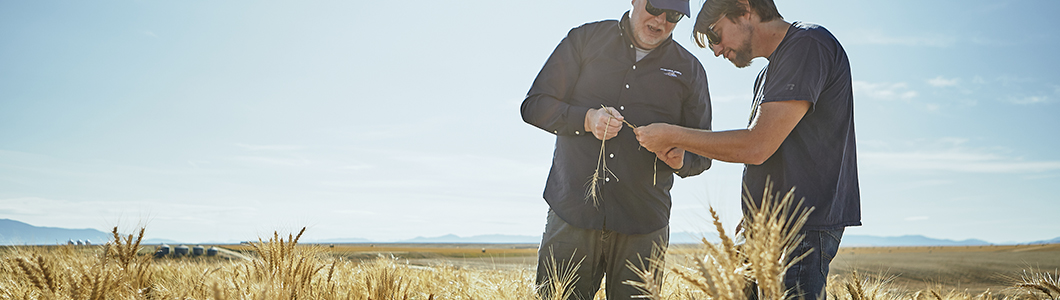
<point x="955" y="161"/>
<point x="270" y="147"/>
<point x="917" y="218"/>
<point x="885" y="91"/>
<point x="1028" y="99"/>
<point x="296" y="161"/>
<point x="943" y="82"/>
<point x="1011" y="80"/>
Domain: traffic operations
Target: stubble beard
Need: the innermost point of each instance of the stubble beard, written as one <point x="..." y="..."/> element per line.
<point x="743" y="54"/>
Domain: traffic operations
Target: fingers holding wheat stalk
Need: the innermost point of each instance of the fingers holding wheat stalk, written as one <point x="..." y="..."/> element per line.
<point x="601" y="164"/>
<point x="593" y="191"/>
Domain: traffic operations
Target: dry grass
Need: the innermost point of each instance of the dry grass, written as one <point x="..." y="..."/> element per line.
<point x="560" y="279"/>
<point x="284" y="269"/>
<point x="726" y="270"/>
<point x="1042" y="285"/>
<point x="281" y="268"/>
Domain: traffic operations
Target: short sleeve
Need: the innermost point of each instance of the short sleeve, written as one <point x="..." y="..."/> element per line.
<point x="798" y="71"/>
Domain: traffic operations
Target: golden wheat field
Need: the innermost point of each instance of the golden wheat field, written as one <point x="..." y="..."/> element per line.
<point x="278" y="267"/>
<point x="283" y="269"/>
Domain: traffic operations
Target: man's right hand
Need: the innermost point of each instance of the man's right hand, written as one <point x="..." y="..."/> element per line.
<point x="602" y="124"/>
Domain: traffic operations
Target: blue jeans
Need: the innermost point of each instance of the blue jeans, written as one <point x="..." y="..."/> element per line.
<point x="807" y="278"/>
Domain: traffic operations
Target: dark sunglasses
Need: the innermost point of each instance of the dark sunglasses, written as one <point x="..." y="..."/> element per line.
<point x="672" y="16"/>
<point x="712" y="37"/>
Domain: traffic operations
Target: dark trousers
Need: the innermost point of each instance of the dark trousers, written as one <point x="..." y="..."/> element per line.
<point x="601" y="252"/>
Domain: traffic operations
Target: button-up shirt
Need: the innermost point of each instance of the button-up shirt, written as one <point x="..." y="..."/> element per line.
<point x="594" y="66"/>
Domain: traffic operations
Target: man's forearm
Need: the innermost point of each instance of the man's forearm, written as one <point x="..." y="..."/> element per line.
<point x="735" y="146"/>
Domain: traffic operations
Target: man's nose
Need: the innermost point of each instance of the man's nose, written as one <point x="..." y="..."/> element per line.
<point x="661" y="18"/>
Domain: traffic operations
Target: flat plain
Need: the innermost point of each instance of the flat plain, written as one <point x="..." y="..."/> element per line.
<point x="962" y="268"/>
<point x="971" y="269"/>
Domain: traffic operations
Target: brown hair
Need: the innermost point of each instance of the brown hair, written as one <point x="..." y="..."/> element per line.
<point x="713" y="10"/>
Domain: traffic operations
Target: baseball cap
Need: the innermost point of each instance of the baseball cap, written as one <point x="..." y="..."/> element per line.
<point x="680" y="6"/>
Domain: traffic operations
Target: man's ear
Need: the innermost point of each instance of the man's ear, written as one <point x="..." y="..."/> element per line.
<point x="747" y="16"/>
<point x="750" y="10"/>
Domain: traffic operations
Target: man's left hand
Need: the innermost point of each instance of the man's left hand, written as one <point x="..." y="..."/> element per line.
<point x="675" y="158"/>
<point x="654" y="137"/>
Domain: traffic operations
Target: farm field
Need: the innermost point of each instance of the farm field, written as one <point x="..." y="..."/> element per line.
<point x="972" y="269"/>
<point x="488" y="256"/>
<point x="125" y="269"/>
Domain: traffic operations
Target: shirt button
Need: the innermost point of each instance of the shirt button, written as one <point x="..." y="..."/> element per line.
<point x="607" y="179"/>
<point x="612" y="155"/>
<point x="577" y="132"/>
<point x="634" y="67"/>
<point x="622" y="107"/>
<point x="627" y="86"/>
<point x="630" y="46"/>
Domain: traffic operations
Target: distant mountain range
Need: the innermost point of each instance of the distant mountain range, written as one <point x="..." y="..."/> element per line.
<point x="17" y="233"/>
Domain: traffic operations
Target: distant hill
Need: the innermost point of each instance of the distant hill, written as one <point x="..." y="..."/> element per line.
<point x="1052" y="241"/>
<point x="905" y="240"/>
<point x="339" y="241"/>
<point x="478" y="239"/>
<point x="17" y="233"/>
<point x="160" y="241"/>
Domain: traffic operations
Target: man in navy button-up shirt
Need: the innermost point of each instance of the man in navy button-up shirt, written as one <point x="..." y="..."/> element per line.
<point x="603" y="76"/>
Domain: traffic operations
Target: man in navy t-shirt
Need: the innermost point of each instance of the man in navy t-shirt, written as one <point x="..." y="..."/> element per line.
<point x="801" y="129"/>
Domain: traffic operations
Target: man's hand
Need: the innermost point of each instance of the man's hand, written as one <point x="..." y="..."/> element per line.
<point x="602" y="124"/>
<point x="656" y="138"/>
<point x="675" y="158"/>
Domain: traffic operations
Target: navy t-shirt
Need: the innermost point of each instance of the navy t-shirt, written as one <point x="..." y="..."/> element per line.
<point x="819" y="157"/>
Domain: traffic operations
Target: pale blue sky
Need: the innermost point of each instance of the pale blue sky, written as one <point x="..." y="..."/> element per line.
<point x="387" y="120"/>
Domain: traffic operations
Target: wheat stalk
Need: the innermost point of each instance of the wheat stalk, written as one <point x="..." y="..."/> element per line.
<point x="719" y="270"/>
<point x="560" y="280"/>
<point x="650" y="284"/>
<point x="1043" y="282"/>
<point x="772" y="234"/>
<point x="594" y="181"/>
